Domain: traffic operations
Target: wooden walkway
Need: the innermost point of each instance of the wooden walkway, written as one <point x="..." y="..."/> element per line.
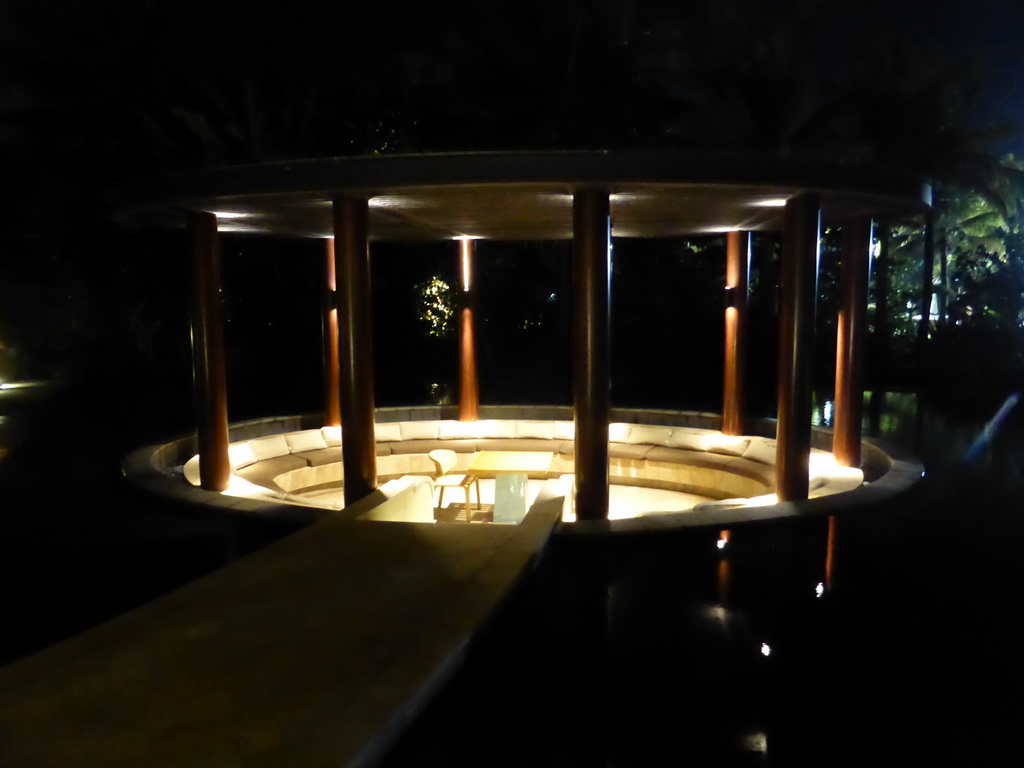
<point x="316" y="651"/>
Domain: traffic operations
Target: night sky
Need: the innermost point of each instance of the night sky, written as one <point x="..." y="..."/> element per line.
<point x="94" y="94"/>
<point x="135" y="78"/>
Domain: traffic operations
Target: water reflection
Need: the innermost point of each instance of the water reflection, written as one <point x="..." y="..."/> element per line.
<point x="830" y="555"/>
<point x="932" y="543"/>
<point x="723" y="581"/>
<point x="754" y="657"/>
<point x="893" y="416"/>
<point x="889" y="415"/>
<point x="821" y="413"/>
<point x="723" y="539"/>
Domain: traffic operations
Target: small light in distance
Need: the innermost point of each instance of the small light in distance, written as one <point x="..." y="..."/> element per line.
<point x="766" y="650"/>
<point x="756" y="742"/>
<point x="721" y="543"/>
<point x="819" y="590"/>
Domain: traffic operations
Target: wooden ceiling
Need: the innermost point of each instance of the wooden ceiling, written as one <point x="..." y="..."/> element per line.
<point x="518" y="196"/>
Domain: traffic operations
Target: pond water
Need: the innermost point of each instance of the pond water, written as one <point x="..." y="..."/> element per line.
<point x="901" y="643"/>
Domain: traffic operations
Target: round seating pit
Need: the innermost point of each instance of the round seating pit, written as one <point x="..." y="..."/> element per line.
<point x="298" y="467"/>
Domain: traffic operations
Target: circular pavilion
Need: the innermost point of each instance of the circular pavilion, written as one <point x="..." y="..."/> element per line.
<point x="585" y="197"/>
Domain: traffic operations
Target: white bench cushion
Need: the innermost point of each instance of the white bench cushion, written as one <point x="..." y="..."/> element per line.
<point x="240" y="455"/>
<point x="565" y="430"/>
<point x="419" y="430"/>
<point x="544" y="430"/>
<point x="761" y="449"/>
<point x="618" y="432"/>
<point x="450" y="429"/>
<point x="387" y="432"/>
<point x="501" y="428"/>
<point x="639" y="434"/>
<point x="689" y="439"/>
<point x="264" y="448"/>
<point x="306" y="440"/>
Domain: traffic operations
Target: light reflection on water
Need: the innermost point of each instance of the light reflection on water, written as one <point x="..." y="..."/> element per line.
<point x="892" y="416"/>
<point x="821" y="412"/>
<point x="888" y="415"/>
<point x="811" y="619"/>
<point x="939" y="433"/>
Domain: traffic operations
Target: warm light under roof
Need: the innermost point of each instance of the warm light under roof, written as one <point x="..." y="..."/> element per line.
<point x="717" y="229"/>
<point x="389" y="201"/>
<point x="465" y="257"/>
<point x="230" y="226"/>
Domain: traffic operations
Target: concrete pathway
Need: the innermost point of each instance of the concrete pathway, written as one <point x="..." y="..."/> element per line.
<point x="316" y="651"/>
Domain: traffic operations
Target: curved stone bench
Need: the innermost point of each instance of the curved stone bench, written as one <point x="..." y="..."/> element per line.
<point x="730" y="470"/>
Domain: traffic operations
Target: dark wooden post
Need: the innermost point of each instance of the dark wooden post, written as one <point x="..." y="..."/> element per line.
<point x="852" y="325"/>
<point x="590" y="354"/>
<point x="332" y="384"/>
<point x="737" y="269"/>
<point x="352" y="264"/>
<point x="798" y="285"/>
<point x="208" y="359"/>
<point x="469" y="391"/>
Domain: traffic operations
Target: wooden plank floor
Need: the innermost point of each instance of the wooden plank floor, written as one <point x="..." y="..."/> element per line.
<point x="316" y="651"/>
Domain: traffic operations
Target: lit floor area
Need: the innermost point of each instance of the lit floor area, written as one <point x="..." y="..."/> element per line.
<point x="624" y="501"/>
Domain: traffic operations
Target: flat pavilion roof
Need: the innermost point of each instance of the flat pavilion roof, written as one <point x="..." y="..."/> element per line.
<point x="519" y="195"/>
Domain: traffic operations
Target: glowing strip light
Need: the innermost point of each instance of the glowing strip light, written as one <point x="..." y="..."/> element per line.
<point x="466" y="254"/>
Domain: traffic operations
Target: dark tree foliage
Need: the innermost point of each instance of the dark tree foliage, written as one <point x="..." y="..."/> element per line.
<point x="99" y="93"/>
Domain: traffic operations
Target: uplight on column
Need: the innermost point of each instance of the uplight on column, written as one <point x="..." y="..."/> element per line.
<point x="466" y="259"/>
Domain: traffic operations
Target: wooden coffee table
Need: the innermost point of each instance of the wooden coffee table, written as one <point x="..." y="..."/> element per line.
<point x="490" y="463"/>
<point x="494" y="463"/>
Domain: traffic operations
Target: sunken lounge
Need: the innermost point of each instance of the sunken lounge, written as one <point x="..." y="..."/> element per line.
<point x="392" y="464"/>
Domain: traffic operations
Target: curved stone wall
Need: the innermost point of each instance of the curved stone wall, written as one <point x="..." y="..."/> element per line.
<point x="661" y="449"/>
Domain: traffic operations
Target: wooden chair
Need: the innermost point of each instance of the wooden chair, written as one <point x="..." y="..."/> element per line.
<point x="444" y="462"/>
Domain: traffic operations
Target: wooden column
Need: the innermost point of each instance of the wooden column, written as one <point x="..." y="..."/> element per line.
<point x="797" y="287"/>
<point x="590" y="353"/>
<point x="737" y="270"/>
<point x="853" y="307"/>
<point x="469" y="391"/>
<point x="355" y="347"/>
<point x="208" y="359"/>
<point x="332" y="383"/>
